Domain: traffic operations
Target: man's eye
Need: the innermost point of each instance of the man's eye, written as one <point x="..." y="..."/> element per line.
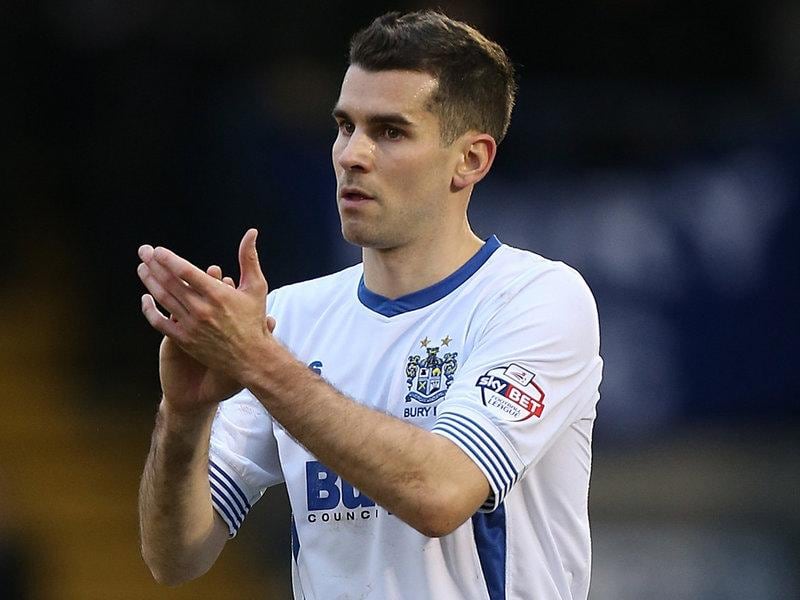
<point x="346" y="127"/>
<point x="393" y="133"/>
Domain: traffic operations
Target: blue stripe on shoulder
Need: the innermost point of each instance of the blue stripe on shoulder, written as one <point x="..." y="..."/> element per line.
<point x="489" y="530"/>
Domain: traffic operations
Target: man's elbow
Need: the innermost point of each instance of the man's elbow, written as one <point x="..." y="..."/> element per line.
<point x="173" y="562"/>
<point x="441" y="515"/>
<point x="444" y="504"/>
<point x="436" y="528"/>
<point x="171" y="572"/>
<point x="168" y="578"/>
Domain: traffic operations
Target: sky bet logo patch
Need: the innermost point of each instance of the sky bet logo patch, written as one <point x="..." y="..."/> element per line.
<point x="511" y="393"/>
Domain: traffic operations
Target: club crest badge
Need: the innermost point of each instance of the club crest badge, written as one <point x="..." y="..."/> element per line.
<point x="511" y="393"/>
<point x="428" y="376"/>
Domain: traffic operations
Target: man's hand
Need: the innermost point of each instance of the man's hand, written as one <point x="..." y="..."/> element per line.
<point x="187" y="383"/>
<point x="214" y="327"/>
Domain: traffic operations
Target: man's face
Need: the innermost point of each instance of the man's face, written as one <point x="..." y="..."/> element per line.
<point x="393" y="175"/>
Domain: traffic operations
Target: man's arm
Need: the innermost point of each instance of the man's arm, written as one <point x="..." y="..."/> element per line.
<point x="181" y="534"/>
<point x="421" y="477"/>
<point x="180" y="531"/>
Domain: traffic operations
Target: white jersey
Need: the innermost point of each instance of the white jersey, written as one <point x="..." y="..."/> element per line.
<point x="502" y="358"/>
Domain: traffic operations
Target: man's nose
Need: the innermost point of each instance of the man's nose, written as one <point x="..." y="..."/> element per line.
<point x="357" y="152"/>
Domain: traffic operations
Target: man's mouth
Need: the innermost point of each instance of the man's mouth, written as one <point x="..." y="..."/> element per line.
<point x="353" y="194"/>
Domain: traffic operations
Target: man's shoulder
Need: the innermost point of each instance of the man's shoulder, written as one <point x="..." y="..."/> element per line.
<point x="548" y="297"/>
<point x="526" y="271"/>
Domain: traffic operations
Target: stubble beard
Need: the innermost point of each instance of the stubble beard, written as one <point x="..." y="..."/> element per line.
<point x="377" y="233"/>
<point x="366" y="236"/>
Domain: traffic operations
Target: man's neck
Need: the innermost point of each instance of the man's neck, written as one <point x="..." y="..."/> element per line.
<point x="395" y="272"/>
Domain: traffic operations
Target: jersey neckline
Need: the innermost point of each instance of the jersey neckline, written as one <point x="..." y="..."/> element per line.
<point x="426" y="296"/>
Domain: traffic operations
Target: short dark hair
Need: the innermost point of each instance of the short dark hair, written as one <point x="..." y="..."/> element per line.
<point x="476" y="82"/>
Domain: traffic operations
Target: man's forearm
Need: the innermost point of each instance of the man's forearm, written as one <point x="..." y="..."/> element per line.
<point x="421" y="477"/>
<point x="179" y="534"/>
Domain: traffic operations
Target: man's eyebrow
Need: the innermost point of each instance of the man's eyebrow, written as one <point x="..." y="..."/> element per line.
<point x="376" y="119"/>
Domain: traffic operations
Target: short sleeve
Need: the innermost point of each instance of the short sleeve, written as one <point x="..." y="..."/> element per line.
<point x="243" y="457"/>
<point x="533" y="370"/>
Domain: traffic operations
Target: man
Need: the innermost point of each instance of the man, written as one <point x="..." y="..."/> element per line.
<point x="439" y="446"/>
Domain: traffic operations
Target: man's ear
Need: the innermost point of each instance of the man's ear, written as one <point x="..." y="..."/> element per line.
<point x="477" y="155"/>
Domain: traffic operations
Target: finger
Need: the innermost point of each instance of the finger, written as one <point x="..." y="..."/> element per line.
<point x="182" y="269"/>
<point x="271" y="323"/>
<point x="175" y="286"/>
<point x="215" y="271"/>
<point x="251" y="276"/>
<point x="160" y="294"/>
<point x="157" y="320"/>
<point x="173" y="294"/>
<point x="145" y="252"/>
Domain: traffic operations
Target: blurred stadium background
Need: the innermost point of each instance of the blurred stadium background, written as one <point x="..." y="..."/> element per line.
<point x="655" y="146"/>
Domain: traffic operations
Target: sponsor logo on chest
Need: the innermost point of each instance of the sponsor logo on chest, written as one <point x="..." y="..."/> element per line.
<point x="331" y="499"/>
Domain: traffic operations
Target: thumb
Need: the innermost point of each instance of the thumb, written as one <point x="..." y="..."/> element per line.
<point x="251" y="277"/>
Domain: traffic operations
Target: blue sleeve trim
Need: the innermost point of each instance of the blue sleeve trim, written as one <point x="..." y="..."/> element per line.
<point x="230" y="481"/>
<point x="484" y="449"/>
<point x="225" y="514"/>
<point x="227" y="498"/>
<point x="227" y="491"/>
<point x="495" y="479"/>
<point x="224" y="500"/>
<point x="497" y="451"/>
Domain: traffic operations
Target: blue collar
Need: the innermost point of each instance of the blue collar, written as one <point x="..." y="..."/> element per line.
<point x="429" y="295"/>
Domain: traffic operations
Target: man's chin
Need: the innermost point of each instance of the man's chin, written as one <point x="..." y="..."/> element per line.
<point x="357" y="237"/>
<point x="363" y="237"/>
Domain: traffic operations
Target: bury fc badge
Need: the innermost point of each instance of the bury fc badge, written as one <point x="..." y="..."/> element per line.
<point x="428" y="376"/>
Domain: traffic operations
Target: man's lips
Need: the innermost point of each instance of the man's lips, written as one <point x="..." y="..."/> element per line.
<point x="352" y="194"/>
